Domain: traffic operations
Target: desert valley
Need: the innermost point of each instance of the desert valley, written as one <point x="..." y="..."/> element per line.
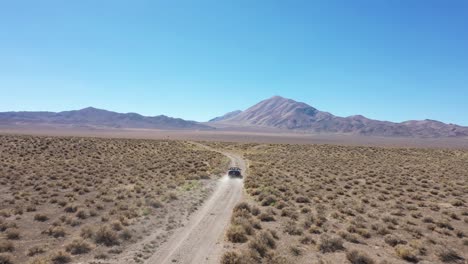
<point x="94" y="186"/>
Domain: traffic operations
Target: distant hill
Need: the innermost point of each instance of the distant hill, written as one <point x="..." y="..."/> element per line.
<point x="226" y="116"/>
<point x="283" y="113"/>
<point x="94" y="117"/>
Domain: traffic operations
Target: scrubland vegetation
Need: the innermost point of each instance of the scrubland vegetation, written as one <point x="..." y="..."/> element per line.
<point x="338" y="204"/>
<point x="72" y="199"/>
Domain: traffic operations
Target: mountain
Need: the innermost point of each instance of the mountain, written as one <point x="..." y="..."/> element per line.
<point x="93" y="117"/>
<point x="226" y="116"/>
<point x="283" y="113"/>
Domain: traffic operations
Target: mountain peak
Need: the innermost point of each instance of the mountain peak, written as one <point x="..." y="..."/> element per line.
<point x="284" y="113"/>
<point x="278" y="97"/>
<point x="277" y="111"/>
<point x="90" y="109"/>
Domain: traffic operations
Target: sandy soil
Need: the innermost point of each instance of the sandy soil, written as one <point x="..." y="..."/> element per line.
<point x="250" y="136"/>
<point x="201" y="240"/>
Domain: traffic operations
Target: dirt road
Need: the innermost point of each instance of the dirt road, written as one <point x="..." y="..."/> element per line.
<point x="201" y="239"/>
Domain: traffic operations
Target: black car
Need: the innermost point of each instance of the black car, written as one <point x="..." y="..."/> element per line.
<point x="234" y="172"/>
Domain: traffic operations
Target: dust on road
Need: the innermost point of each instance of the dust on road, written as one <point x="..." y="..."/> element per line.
<point x="201" y="240"/>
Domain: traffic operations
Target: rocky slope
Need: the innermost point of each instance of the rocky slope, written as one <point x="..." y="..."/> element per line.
<point x="279" y="112"/>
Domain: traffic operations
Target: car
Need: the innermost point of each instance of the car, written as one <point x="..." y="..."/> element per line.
<point x="234" y="172"/>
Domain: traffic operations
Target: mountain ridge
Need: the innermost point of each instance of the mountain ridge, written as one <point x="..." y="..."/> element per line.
<point x="284" y="113"/>
<point x="91" y="117"/>
<point x="273" y="114"/>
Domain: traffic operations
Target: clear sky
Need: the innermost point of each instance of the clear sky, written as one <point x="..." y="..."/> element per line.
<point x="386" y="59"/>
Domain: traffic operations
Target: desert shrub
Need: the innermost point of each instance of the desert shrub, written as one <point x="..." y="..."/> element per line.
<point x="6" y="259"/>
<point x="87" y="232"/>
<point x="40" y="260"/>
<point x="445" y="224"/>
<point x="155" y="203"/>
<point x="6" y="246"/>
<point x="393" y="240"/>
<point x="41" y="217"/>
<point x="56" y="231"/>
<point x="330" y="244"/>
<point x="289" y="212"/>
<point x="255" y="211"/>
<point x="101" y="255"/>
<point x="291" y="228"/>
<point x="357" y="257"/>
<point x="126" y="235"/>
<point x="81" y="214"/>
<point x="265" y="217"/>
<point x="349" y="237"/>
<point x="116" y="225"/>
<point x="242" y="206"/>
<point x="36" y="250"/>
<point x="245" y="223"/>
<point x="450" y="256"/>
<point x="307" y="240"/>
<point x="172" y="196"/>
<point x="78" y="246"/>
<point x="269" y="200"/>
<point x="236" y="234"/>
<point x="13" y="234"/>
<point x="31" y="208"/>
<point x="60" y="257"/>
<point x="295" y="250"/>
<point x="256" y="224"/>
<point x="302" y="199"/>
<point x="232" y="257"/>
<point x="428" y="219"/>
<point x="406" y="253"/>
<point x="104" y="235"/>
<point x="267" y="238"/>
<point x="71" y="208"/>
<point x="259" y="246"/>
<point x="93" y="213"/>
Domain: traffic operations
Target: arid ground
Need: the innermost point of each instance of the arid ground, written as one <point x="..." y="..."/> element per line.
<point x="127" y="200"/>
<point x="345" y="204"/>
<point x="69" y="199"/>
<point x="244" y="135"/>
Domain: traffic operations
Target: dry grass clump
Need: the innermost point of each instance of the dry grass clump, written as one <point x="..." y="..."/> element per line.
<point x="232" y="257"/>
<point x="407" y="253"/>
<point x="41" y="217"/>
<point x="357" y="257"/>
<point x="245" y="229"/>
<point x="448" y="255"/>
<point x="6" y="246"/>
<point x="36" y="250"/>
<point x="330" y="244"/>
<point x="60" y="257"/>
<point x="6" y="259"/>
<point x="393" y="204"/>
<point x="106" y="236"/>
<point x="236" y="234"/>
<point x="69" y="186"/>
<point x="13" y="234"/>
<point x="78" y="246"/>
<point x="243" y="224"/>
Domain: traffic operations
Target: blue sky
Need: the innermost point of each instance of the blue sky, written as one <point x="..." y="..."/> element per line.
<point x="392" y="60"/>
